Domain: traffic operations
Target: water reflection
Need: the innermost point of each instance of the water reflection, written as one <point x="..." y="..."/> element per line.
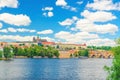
<point x="54" y="69"/>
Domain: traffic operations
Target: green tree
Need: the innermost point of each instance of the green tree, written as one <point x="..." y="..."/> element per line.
<point x="114" y="70"/>
<point x="71" y="55"/>
<point x="83" y="52"/>
<point x="56" y="53"/>
<point x="1" y="53"/>
<point x="15" y="50"/>
<point x="7" y="52"/>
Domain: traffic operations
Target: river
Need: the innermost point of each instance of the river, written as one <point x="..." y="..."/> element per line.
<point x="54" y="69"/>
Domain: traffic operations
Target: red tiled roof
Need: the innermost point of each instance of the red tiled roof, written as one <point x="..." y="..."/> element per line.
<point x="48" y="43"/>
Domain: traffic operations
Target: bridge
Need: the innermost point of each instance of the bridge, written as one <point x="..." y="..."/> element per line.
<point x="100" y="54"/>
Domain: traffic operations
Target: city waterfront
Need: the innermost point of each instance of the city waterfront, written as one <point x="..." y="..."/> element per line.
<point x="54" y="69"/>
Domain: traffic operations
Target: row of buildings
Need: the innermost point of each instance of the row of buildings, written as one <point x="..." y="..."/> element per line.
<point x="64" y="49"/>
<point x="38" y="41"/>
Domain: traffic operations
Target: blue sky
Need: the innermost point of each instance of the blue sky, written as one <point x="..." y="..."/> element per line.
<point x="94" y="22"/>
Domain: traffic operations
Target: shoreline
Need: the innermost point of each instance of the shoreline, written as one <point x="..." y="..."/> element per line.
<point x="38" y="57"/>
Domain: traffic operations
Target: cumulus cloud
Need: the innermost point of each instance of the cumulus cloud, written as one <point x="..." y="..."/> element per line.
<point x="50" y="14"/>
<point x="98" y="16"/>
<point x="17" y="20"/>
<point x="4" y="31"/>
<point x="64" y="5"/>
<point x="25" y="30"/>
<point x="84" y="37"/>
<point x="8" y="3"/>
<point x="61" y="3"/>
<point x="101" y="42"/>
<point x="79" y="2"/>
<point x="15" y="38"/>
<point x="47" y="11"/>
<point x="76" y="37"/>
<point x="68" y="21"/>
<point x="1" y="25"/>
<point x="86" y="25"/>
<point x="104" y="5"/>
<point x="49" y="31"/>
<point x="70" y="8"/>
<point x="10" y="29"/>
<point x="48" y="38"/>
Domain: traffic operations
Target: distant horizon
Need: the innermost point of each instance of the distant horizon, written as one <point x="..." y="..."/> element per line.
<point x="94" y="22"/>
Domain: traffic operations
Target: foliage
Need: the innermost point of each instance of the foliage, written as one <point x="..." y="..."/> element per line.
<point x="36" y="51"/>
<point x="1" y="54"/>
<point x="83" y="52"/>
<point x="100" y="47"/>
<point x="7" y="52"/>
<point x="117" y="40"/>
<point x="114" y="70"/>
<point x="71" y="55"/>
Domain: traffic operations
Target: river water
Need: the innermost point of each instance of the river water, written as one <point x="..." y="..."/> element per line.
<point x="54" y="69"/>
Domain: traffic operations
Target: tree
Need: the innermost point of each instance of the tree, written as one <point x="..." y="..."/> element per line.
<point x="1" y="54"/>
<point x="114" y="70"/>
<point x="83" y="52"/>
<point x="15" y="50"/>
<point x="56" y="53"/>
<point x="7" y="52"/>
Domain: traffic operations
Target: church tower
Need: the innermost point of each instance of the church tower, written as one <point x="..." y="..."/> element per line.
<point x="34" y="40"/>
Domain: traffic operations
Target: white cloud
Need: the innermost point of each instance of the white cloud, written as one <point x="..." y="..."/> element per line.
<point x="70" y="8"/>
<point x="64" y="35"/>
<point x="101" y="42"/>
<point x="68" y="21"/>
<point x="1" y="25"/>
<point x="64" y="5"/>
<point x="78" y="37"/>
<point x="15" y="38"/>
<point x="8" y="3"/>
<point x="12" y="29"/>
<point x="104" y="5"/>
<point x="48" y="38"/>
<point x="3" y="30"/>
<point x="47" y="9"/>
<point x="79" y="2"/>
<point x="20" y="38"/>
<point x="84" y="37"/>
<point x="107" y="28"/>
<point x="50" y="14"/>
<point x="86" y="25"/>
<point x="45" y="14"/>
<point x="25" y="30"/>
<point x="17" y="20"/>
<point x="98" y="16"/>
<point x="49" y="31"/>
<point x="73" y="29"/>
<point x="61" y="3"/>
